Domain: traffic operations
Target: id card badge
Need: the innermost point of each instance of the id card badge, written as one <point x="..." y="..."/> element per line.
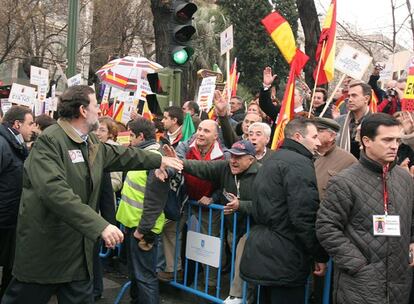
<point x="76" y="156"/>
<point x="386" y="225"/>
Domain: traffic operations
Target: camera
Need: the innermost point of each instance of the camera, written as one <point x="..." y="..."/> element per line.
<point x="392" y="93"/>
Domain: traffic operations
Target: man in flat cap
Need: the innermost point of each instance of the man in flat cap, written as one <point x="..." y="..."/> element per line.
<point x="332" y="159"/>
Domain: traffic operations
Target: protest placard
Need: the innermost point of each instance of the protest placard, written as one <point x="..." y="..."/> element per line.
<point x="75" y="80"/>
<point x="5" y="105"/>
<point x="407" y="103"/>
<point x="226" y="40"/>
<point x="22" y="95"/>
<point x="206" y="93"/>
<point x="38" y="76"/>
<point x="352" y="62"/>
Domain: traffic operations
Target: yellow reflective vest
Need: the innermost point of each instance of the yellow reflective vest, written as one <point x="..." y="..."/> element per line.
<point x="131" y="206"/>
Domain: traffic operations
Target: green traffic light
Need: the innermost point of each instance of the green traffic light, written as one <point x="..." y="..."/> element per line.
<point x="180" y="57"/>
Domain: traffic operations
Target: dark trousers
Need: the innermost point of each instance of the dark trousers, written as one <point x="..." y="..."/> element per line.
<point x="7" y="247"/>
<point x="78" y="292"/>
<point x="142" y="271"/>
<point x="282" y="295"/>
<point x="97" y="271"/>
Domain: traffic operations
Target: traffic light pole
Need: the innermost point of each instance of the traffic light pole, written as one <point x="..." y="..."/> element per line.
<point x="72" y="38"/>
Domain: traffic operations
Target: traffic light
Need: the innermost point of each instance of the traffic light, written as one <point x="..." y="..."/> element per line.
<point x="182" y="30"/>
<point x="166" y="87"/>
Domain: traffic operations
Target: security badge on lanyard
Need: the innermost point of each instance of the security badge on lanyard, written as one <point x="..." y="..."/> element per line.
<point x="386" y="225"/>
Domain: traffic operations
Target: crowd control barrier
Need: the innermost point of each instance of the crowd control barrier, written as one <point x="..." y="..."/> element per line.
<point x="199" y="285"/>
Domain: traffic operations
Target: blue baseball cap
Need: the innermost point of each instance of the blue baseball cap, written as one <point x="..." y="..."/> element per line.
<point x="243" y="147"/>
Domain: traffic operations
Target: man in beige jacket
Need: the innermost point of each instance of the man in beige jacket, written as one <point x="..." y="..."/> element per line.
<point x="332" y="159"/>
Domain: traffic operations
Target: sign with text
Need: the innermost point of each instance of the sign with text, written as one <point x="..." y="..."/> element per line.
<point x="42" y="92"/>
<point x="407" y="103"/>
<point x="22" y="95"/>
<point x="75" y="80"/>
<point x="352" y="62"/>
<point x="226" y="40"/>
<point x="39" y="107"/>
<point x="203" y="248"/>
<point x="39" y="76"/>
<point x="206" y="93"/>
<point x="5" y="105"/>
<point x="128" y="109"/>
<point x="50" y="104"/>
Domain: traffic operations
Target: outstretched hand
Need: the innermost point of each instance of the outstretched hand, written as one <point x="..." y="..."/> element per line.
<point x="268" y="78"/>
<point x="171" y="162"/>
<point x="220" y="103"/>
<point x="407" y="122"/>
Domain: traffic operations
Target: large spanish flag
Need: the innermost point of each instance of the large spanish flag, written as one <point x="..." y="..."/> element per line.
<point x="288" y="103"/>
<point x="325" y="53"/>
<point x="281" y="33"/>
<point x="286" y="112"/>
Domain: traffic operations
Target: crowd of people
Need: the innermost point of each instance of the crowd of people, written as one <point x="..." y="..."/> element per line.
<point x="340" y="186"/>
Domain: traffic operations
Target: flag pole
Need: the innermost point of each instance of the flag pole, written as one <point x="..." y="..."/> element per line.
<point x="317" y="76"/>
<point x="228" y="76"/>
<point x="328" y="102"/>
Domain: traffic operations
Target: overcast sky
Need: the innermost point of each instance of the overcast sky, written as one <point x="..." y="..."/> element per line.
<point x="371" y="16"/>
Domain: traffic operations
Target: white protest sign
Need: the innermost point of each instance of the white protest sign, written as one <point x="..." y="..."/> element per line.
<point x="143" y="86"/>
<point x="5" y="105"/>
<point x="352" y="62"/>
<point x="203" y="248"/>
<point x="38" y="76"/>
<point x="226" y="40"/>
<point x="39" y="107"/>
<point x="206" y="93"/>
<point x="50" y="104"/>
<point x="396" y="63"/>
<point x="75" y="80"/>
<point x="41" y="94"/>
<point x="105" y="97"/>
<point x="386" y="73"/>
<point x="22" y="95"/>
<point x="127" y="110"/>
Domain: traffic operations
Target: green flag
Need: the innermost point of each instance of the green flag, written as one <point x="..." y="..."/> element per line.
<point x="188" y="127"/>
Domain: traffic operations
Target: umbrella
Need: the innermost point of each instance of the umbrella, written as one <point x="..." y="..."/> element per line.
<point x="123" y="73"/>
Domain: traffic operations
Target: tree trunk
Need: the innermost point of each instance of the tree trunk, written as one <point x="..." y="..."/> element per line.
<point x="311" y="28"/>
<point x="161" y="13"/>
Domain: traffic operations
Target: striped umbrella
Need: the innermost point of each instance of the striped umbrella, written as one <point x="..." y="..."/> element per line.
<point x="123" y="73"/>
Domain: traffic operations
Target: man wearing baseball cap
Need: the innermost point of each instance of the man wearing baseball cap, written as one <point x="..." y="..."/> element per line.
<point x="234" y="178"/>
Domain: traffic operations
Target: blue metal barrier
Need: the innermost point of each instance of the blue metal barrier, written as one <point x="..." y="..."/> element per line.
<point x="194" y="288"/>
<point x="203" y="292"/>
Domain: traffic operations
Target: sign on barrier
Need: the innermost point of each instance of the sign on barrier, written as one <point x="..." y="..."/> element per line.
<point x="203" y="248"/>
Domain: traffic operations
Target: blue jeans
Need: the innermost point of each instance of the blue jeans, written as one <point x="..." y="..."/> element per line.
<point x="142" y="271"/>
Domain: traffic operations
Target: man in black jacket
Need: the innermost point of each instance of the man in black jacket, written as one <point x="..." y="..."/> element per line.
<point x="282" y="244"/>
<point x="16" y="129"/>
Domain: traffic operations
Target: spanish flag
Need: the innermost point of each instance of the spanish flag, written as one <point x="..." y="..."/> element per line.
<point x="288" y="103"/>
<point x="118" y="113"/>
<point x="146" y="113"/>
<point x="281" y="33"/>
<point x="325" y="53"/>
<point x="373" y="105"/>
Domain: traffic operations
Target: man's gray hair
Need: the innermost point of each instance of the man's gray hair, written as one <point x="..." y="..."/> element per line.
<point x="264" y="126"/>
